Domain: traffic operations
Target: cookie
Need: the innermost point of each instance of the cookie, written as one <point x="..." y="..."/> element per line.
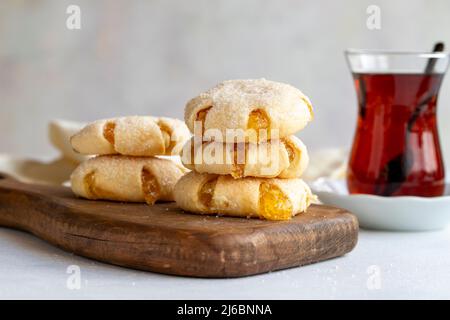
<point x="261" y="109"/>
<point x="124" y="178"/>
<point x="133" y="136"/>
<point x="285" y="158"/>
<point x="271" y="199"/>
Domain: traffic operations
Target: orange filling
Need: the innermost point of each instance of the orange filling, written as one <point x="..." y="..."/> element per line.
<point x="166" y="134"/>
<point x="309" y="107"/>
<point x="89" y="184"/>
<point x="150" y="186"/>
<point x="108" y="132"/>
<point x="201" y="116"/>
<point x="273" y="203"/>
<point x="206" y="192"/>
<point x="257" y="121"/>
<point x="290" y="150"/>
<point x="97" y="192"/>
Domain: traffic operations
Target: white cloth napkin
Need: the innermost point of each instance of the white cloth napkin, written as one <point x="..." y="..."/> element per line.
<point x="55" y="172"/>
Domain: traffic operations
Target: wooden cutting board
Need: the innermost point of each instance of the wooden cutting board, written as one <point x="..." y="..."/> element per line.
<point x="164" y="239"/>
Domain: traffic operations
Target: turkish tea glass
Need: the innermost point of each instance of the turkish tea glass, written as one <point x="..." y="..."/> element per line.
<point x="396" y="149"/>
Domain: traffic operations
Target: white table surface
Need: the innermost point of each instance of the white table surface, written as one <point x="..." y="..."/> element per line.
<point x="410" y="265"/>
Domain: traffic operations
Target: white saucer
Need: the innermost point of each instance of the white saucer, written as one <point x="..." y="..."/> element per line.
<point x="406" y="213"/>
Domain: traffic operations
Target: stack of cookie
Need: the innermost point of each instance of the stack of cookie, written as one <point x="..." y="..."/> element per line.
<point x="245" y="159"/>
<point x="126" y="166"/>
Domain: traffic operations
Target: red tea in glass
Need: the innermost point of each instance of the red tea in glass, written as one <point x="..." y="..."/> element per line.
<point x="396" y="149"/>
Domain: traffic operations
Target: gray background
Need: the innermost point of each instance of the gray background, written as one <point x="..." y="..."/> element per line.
<point x="150" y="57"/>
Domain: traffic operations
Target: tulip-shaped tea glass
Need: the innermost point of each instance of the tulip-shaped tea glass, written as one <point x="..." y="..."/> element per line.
<point x="396" y="148"/>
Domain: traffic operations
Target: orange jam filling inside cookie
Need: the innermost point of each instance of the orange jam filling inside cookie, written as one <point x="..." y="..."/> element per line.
<point x="94" y="191"/>
<point x="309" y="107"/>
<point x="273" y="203"/>
<point x="150" y="186"/>
<point x="206" y="192"/>
<point x="258" y="120"/>
<point x="166" y="134"/>
<point x="108" y="132"/>
<point x="290" y="150"/>
<point x="89" y="184"/>
<point x="201" y="116"/>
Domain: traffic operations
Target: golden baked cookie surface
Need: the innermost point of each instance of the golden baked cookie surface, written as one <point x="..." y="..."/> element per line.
<point x="271" y="199"/>
<point x="285" y="158"/>
<point x="258" y="106"/>
<point x="125" y="178"/>
<point x="133" y="136"/>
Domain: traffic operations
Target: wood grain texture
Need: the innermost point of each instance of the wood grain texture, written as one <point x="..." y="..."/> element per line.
<point x="163" y="239"/>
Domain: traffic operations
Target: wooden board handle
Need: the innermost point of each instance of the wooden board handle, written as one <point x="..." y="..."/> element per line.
<point x="12" y="203"/>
